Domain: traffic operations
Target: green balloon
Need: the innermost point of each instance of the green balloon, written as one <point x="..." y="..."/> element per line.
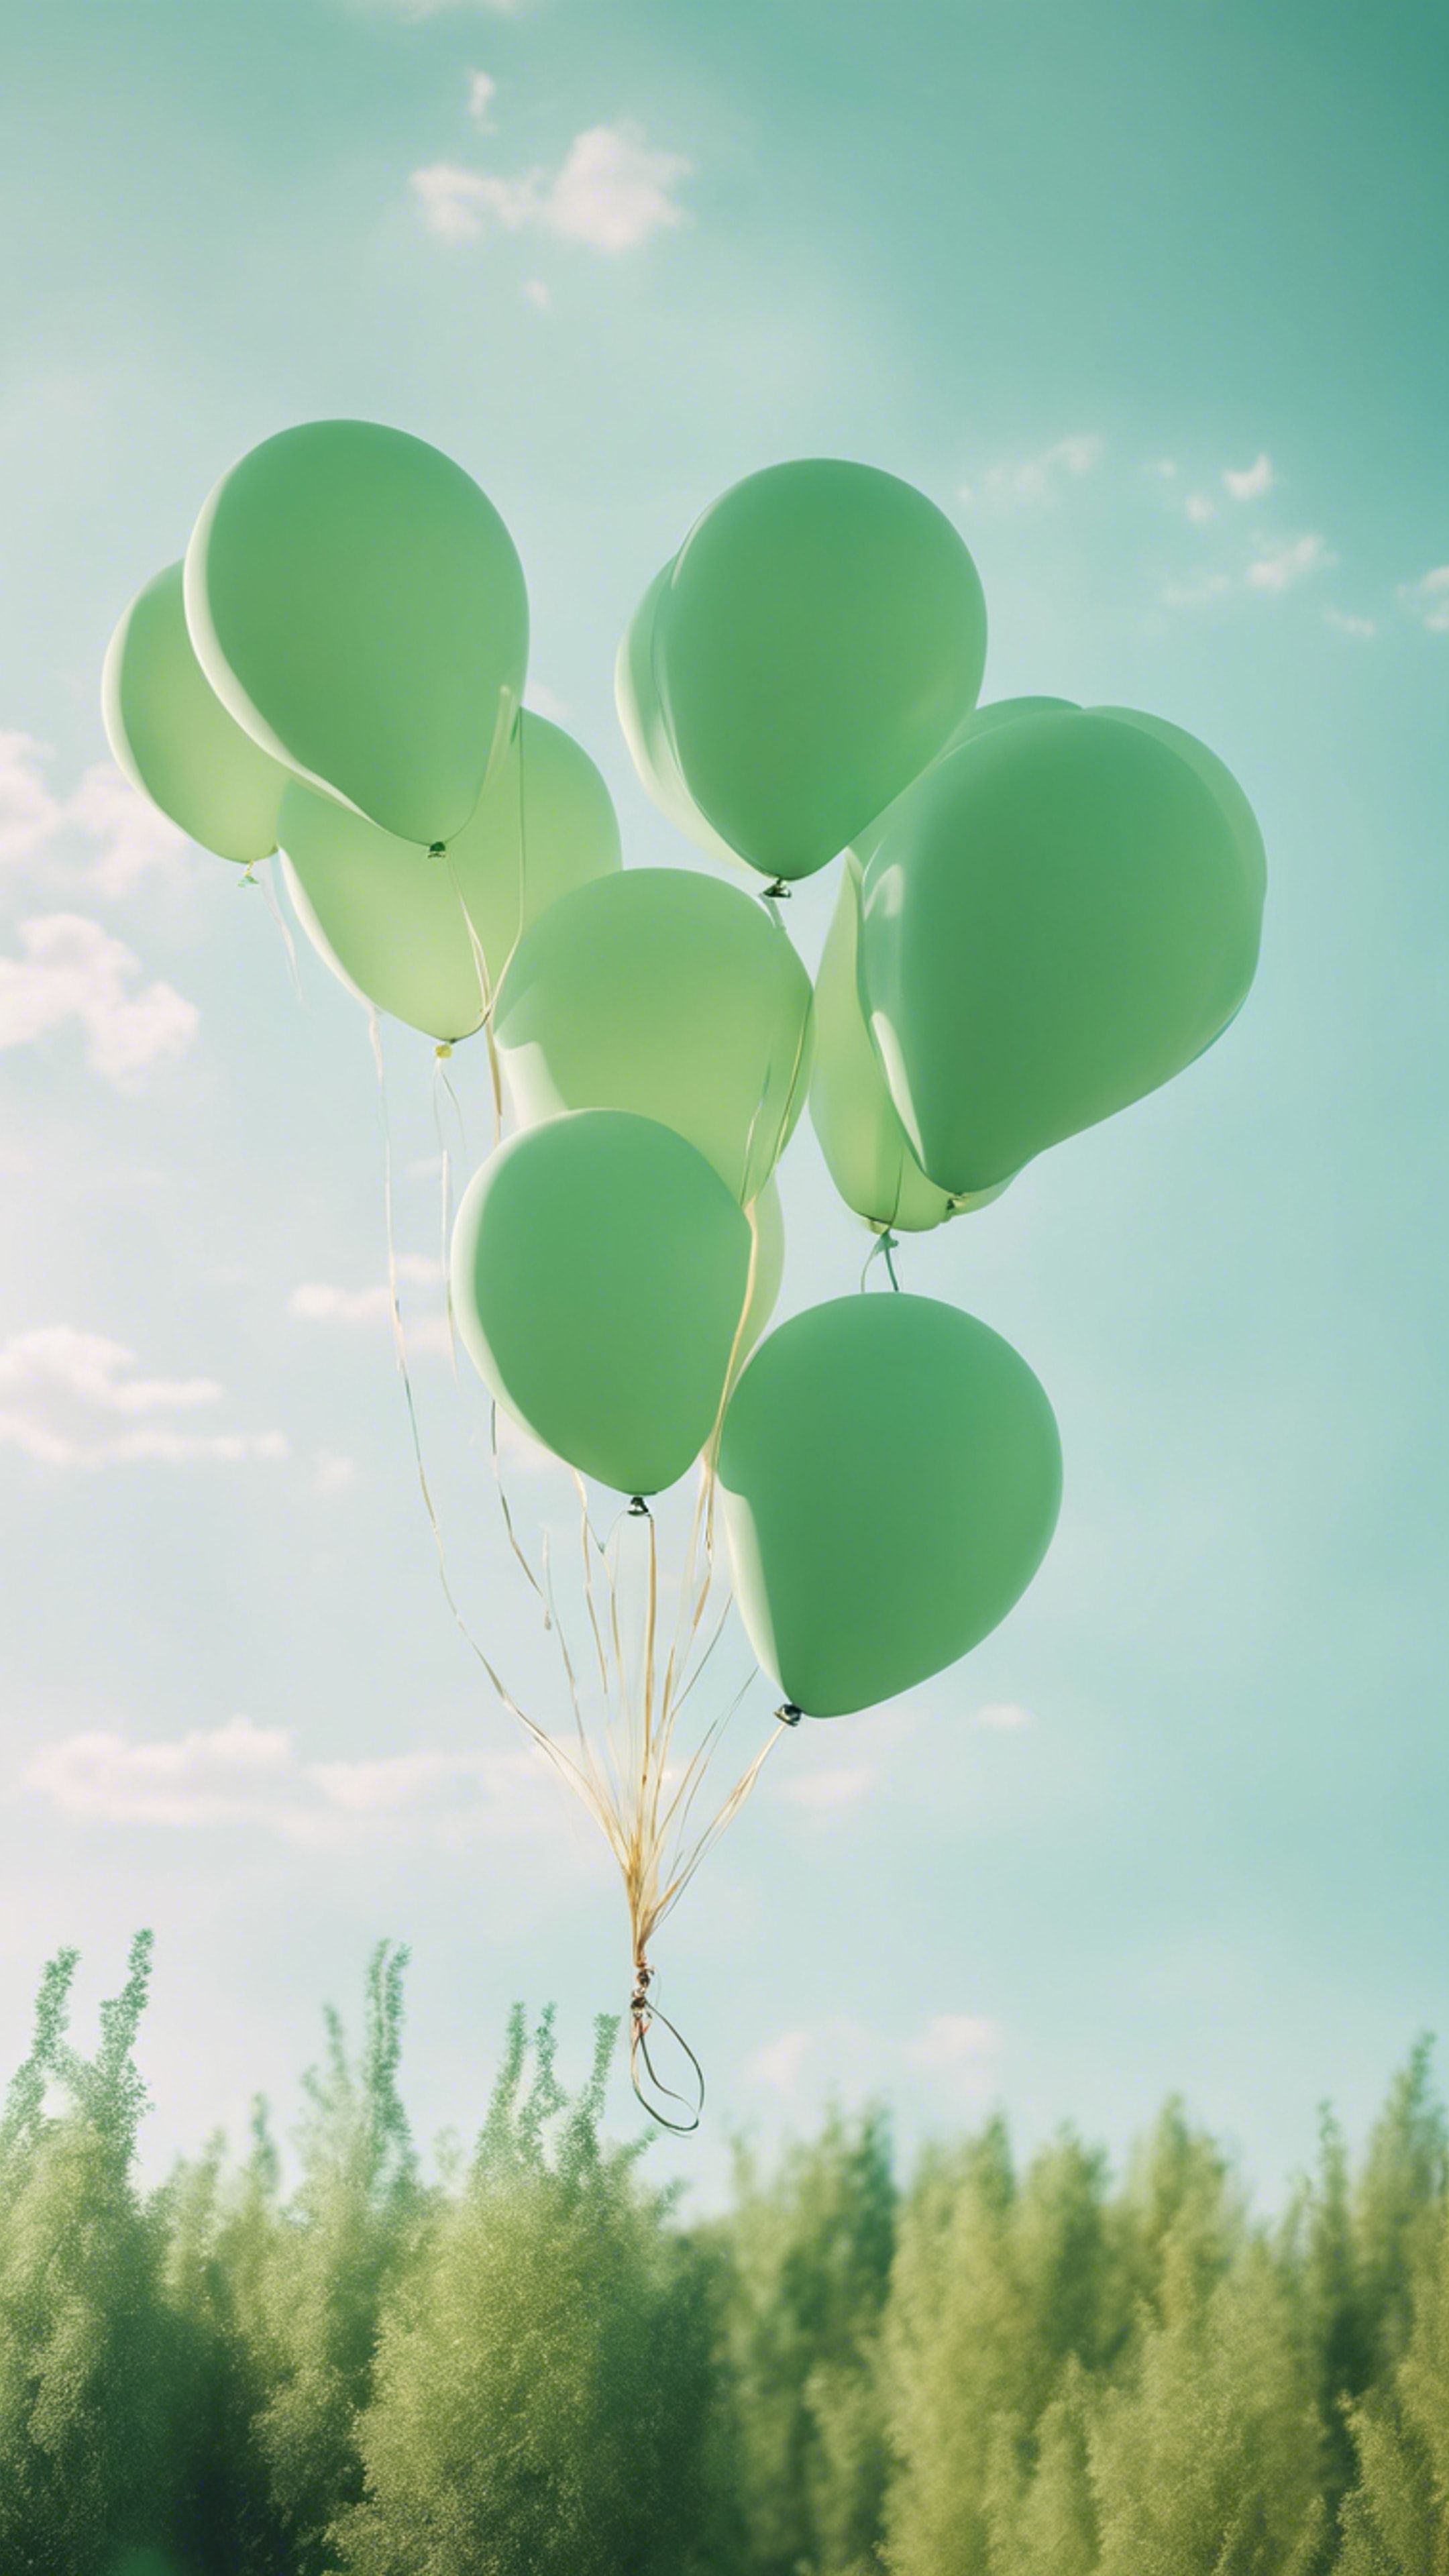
<point x="891" y="1476"/>
<point x="1056" y="919"/>
<point x="357" y="604"/>
<point x="811" y="646"/>
<point x="1216" y="775"/>
<point x="599" y="1273"/>
<point x="428" y="938"/>
<point x="647" y="732"/>
<point x="865" y="1146"/>
<point x="663" y="991"/>
<point x="173" y="737"/>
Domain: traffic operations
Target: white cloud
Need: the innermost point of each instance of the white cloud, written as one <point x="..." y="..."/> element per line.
<point x="1195" y="592"/>
<point x="1344" y="624"/>
<point x="71" y="1399"/>
<point x="332" y="1473"/>
<point x="70" y="969"/>
<point x="131" y="839"/>
<point x="960" y="2049"/>
<point x="1041" y="477"/>
<point x="1199" y="508"/>
<point x="319" y="1301"/>
<point x="417" y="11"/>
<point x="536" y="293"/>
<point x="611" y="192"/>
<point x="1253" y="481"/>
<point x="780" y="2063"/>
<point x="1004" y="1714"/>
<point x="29" y="813"/>
<point x="829" y="1792"/>
<point x="482" y="91"/>
<point x="1428" y="600"/>
<point x="1283" y="566"/>
<point x="120" y="835"/>
<point x="244" y="1774"/>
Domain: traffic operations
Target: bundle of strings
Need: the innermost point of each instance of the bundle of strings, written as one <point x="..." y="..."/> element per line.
<point x="630" y="1673"/>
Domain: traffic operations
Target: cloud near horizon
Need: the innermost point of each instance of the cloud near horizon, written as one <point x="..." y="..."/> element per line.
<point x="611" y="193"/>
<point x="240" y="1773"/>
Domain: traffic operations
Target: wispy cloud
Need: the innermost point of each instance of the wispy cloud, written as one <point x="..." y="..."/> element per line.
<point x="71" y="971"/>
<point x="482" y="91"/>
<point x="612" y="192"/>
<point x="1344" y="623"/>
<point x="957" y="2050"/>
<point x="1252" y="481"/>
<point x="1200" y="508"/>
<point x="320" y="1301"/>
<point x="1007" y="1716"/>
<point x="1281" y="567"/>
<point x="831" y="1792"/>
<point x="1041" y="477"/>
<point x="417" y="11"/>
<point x="104" y="836"/>
<point x="75" y="1400"/>
<point x="332" y="1473"/>
<point x="243" y="1774"/>
<point x="1428" y="600"/>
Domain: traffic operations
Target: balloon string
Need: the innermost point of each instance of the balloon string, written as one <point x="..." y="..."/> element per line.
<point x="642" y="2016"/>
<point x="884" y="1246"/>
<point x="540" y="1735"/>
<point x="268" y="885"/>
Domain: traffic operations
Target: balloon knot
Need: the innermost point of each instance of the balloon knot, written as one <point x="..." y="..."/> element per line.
<point x="437" y="849"/>
<point x="779" y="892"/>
<point x="638" y="1508"/>
<point x="789" y="1714"/>
<point x="250" y="878"/>
<point x="442" y="1050"/>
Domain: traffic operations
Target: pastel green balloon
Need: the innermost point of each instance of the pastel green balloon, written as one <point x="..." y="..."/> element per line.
<point x="173" y="737"/>
<point x="663" y="991"/>
<point x="812" y="644"/>
<point x="891" y="1475"/>
<point x="865" y="1146"/>
<point x="1056" y="920"/>
<point x="647" y="732"/>
<point x="357" y="604"/>
<point x="1216" y="775"/>
<point x="428" y="938"/>
<point x="599" y="1273"/>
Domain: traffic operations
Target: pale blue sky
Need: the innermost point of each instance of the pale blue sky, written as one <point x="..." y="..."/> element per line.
<point x="1152" y="300"/>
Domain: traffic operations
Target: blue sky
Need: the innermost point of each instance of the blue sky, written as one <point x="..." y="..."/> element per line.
<point x="1151" y="300"/>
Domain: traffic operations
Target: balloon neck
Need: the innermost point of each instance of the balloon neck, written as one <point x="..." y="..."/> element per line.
<point x="442" y="1050"/>
<point x="638" y="1508"/>
<point x="779" y="892"/>
<point x="789" y="1714"/>
<point x="437" y="849"/>
<point x="249" y="877"/>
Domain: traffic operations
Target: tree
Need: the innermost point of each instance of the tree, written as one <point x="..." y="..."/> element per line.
<point x="543" y="2380"/>
<point x="999" y="2289"/>
<point x="807" y="2265"/>
<point x="86" y="2356"/>
<point x="308" y="2325"/>
<point x="1396" y="2523"/>
<point x="1205" y="2460"/>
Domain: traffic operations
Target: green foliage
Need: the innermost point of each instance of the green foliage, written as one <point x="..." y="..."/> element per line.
<point x="529" y="2367"/>
<point x="807" y="2265"/>
<point x="542" y="2387"/>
